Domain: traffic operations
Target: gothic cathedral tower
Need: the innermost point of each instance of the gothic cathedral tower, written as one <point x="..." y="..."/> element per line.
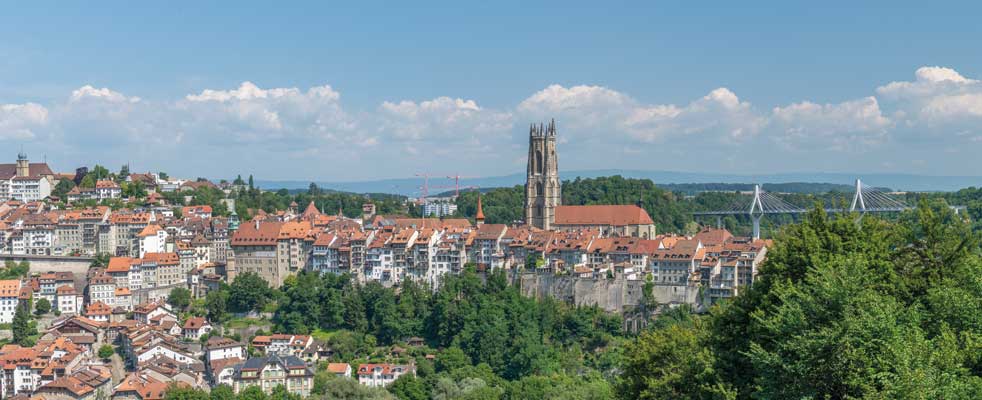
<point x="542" y="181"/>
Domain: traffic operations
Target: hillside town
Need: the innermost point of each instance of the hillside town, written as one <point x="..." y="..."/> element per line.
<point x="141" y="253"/>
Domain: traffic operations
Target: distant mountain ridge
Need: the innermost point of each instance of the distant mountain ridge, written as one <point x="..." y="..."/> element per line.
<point x="411" y="186"/>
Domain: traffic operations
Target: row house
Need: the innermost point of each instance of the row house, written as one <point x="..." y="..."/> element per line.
<point x="49" y="282"/>
<point x="324" y="256"/>
<point x="152" y="239"/>
<point x="449" y="254"/>
<point x="736" y="267"/>
<point x="678" y="265"/>
<point x="487" y="251"/>
<point x="379" y="259"/>
<point x="141" y="386"/>
<point x="67" y="300"/>
<point x="423" y="253"/>
<point x="38" y="234"/>
<point x="10" y="293"/>
<point x="124" y="231"/>
<point x="90" y="383"/>
<point x="26" y="369"/>
<point x="143" y="275"/>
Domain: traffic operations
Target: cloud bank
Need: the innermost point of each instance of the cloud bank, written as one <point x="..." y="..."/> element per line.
<point x="310" y="133"/>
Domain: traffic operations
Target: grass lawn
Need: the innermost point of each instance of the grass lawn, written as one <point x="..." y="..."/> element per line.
<point x="321" y="334"/>
<point x="240" y="323"/>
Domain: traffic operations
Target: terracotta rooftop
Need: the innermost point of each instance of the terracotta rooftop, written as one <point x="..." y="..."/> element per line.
<point x="613" y="215"/>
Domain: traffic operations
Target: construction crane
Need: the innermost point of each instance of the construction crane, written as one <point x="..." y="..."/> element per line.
<point x="456" y="182"/>
<point x="426" y="184"/>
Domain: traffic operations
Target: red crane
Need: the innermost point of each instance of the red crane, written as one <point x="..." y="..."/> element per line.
<point x="456" y="182"/>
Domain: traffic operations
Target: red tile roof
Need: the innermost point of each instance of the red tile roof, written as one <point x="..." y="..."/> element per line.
<point x="613" y="215"/>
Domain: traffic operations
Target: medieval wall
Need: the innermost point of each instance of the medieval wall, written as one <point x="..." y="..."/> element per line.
<point x="612" y="295"/>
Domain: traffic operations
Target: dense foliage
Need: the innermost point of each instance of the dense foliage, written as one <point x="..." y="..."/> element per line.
<point x="494" y="341"/>
<point x="841" y="310"/>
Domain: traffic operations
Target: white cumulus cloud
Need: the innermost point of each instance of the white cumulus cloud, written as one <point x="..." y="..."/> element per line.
<point x="20" y="121"/>
<point x="443" y="118"/>
<point x="840" y="126"/>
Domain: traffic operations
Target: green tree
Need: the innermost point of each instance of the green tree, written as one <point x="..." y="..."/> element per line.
<point x="175" y="392"/>
<point x="349" y="389"/>
<point x="163" y="175"/>
<point x="672" y="362"/>
<point x="248" y="292"/>
<point x="99" y="172"/>
<point x="451" y="359"/>
<point x="24" y="329"/>
<point x="252" y="393"/>
<point x="221" y="392"/>
<point x="62" y="188"/>
<point x="216" y="302"/>
<point x="15" y="270"/>
<point x="42" y="306"/>
<point x="106" y="351"/>
<point x="124" y="172"/>
<point x="100" y="260"/>
<point x="88" y="181"/>
<point x="180" y="298"/>
<point x="280" y="393"/>
<point x="408" y="387"/>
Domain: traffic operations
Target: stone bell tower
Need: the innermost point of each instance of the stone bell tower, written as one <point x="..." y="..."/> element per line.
<point x="23" y="166"/>
<point x="542" y="192"/>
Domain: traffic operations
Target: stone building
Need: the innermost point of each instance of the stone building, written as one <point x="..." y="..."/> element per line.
<point x="542" y="191"/>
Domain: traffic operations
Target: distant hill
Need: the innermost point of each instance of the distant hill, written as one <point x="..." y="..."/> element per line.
<point x="410" y="186"/>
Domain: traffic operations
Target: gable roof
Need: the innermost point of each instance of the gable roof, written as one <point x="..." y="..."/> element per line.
<point x="35" y="170"/>
<point x="613" y="215"/>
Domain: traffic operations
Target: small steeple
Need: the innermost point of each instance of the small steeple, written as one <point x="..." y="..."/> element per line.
<point x="233" y="221"/>
<point x="480" y="210"/>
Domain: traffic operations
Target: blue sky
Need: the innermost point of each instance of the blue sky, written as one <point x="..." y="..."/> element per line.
<point x="384" y="90"/>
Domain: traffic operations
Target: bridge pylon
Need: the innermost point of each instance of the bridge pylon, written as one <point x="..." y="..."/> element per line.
<point x="858" y="199"/>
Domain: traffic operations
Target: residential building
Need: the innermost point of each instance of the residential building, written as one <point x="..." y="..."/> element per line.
<point x="381" y="375"/>
<point x="9" y="299"/>
<point x="274" y="370"/>
<point x="25" y="181"/>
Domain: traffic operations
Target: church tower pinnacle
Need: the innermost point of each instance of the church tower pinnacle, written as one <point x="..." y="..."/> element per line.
<point x="542" y="191"/>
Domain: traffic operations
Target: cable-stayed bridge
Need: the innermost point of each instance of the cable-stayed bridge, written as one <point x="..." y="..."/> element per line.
<point x="865" y="200"/>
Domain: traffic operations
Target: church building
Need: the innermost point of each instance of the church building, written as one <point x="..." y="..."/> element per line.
<point x="543" y="200"/>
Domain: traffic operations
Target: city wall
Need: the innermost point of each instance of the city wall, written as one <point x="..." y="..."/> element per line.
<point x="612" y="295"/>
<point x="78" y="266"/>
